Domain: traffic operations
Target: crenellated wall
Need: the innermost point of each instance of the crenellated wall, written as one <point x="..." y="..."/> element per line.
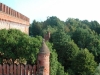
<point x="10" y="18"/>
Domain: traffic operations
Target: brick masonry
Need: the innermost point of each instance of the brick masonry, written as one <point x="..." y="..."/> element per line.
<point x="10" y="18"/>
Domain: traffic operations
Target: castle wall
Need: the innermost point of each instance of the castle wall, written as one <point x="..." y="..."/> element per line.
<point x="12" y="25"/>
<point x="4" y="25"/>
<point x="10" y="18"/>
<point x="7" y="17"/>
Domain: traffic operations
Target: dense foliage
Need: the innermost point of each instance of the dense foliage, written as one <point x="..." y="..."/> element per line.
<point x="74" y="45"/>
<point x="15" y="45"/>
<point x="97" y="71"/>
<point x="76" y="42"/>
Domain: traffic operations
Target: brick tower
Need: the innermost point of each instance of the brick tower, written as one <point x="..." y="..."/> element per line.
<point x="11" y="19"/>
<point x="47" y="36"/>
<point x="43" y="60"/>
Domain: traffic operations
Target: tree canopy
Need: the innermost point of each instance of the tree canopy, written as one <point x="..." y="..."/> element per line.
<point x="71" y="39"/>
<point x="74" y="45"/>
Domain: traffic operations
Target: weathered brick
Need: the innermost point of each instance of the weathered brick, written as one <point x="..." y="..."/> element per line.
<point x="8" y="17"/>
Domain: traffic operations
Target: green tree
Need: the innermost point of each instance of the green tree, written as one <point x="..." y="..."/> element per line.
<point x="66" y="49"/>
<point x="94" y="25"/>
<point x="15" y="45"/>
<point x="83" y="63"/>
<point x="97" y="71"/>
<point x="86" y="38"/>
<point x="67" y="54"/>
<point x="35" y="28"/>
<point x="81" y="37"/>
<point x="53" y="21"/>
<point x="55" y="67"/>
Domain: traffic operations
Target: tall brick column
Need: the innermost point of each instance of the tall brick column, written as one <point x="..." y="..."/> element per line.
<point x="43" y="60"/>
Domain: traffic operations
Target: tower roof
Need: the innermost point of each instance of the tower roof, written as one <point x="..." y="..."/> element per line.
<point x="44" y="48"/>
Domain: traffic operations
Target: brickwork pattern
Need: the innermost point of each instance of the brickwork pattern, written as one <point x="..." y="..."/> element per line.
<point x="43" y="61"/>
<point x="14" y="69"/>
<point x="10" y="18"/>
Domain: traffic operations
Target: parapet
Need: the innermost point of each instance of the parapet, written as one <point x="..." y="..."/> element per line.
<point x="12" y="15"/>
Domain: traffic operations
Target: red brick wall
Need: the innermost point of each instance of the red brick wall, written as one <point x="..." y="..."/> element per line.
<point x="10" y="18"/>
<point x="7" y="17"/>
<point x="47" y="36"/>
<point x="43" y="60"/>
<point x="14" y="69"/>
<point x="12" y="12"/>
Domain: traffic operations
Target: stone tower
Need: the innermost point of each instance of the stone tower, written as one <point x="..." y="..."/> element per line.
<point x="43" y="60"/>
<point x="47" y="36"/>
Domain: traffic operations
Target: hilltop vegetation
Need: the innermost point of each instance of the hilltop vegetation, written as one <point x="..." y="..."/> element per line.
<point x="77" y="43"/>
<point x="74" y="45"/>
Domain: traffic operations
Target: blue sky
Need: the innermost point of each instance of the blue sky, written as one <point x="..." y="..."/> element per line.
<point x="63" y="9"/>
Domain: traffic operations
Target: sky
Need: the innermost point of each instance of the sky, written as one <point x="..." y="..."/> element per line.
<point x="39" y="10"/>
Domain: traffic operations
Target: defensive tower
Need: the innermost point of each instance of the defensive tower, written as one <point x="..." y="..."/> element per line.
<point x="43" y="60"/>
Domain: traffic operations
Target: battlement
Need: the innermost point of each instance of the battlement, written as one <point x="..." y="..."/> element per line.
<point x="10" y="18"/>
<point x="9" y="12"/>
